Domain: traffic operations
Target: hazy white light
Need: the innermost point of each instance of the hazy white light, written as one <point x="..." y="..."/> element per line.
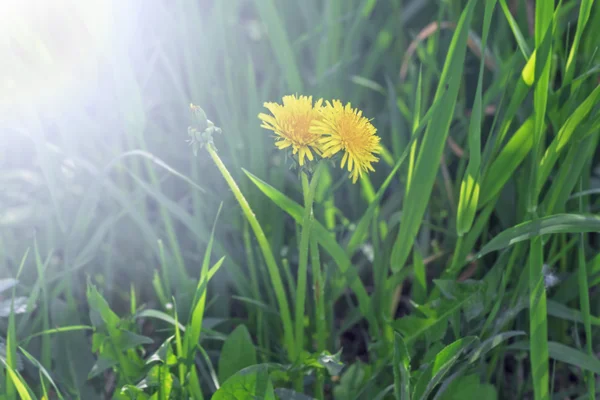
<point x="49" y="47"/>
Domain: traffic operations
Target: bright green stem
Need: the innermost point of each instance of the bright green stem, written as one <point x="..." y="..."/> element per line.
<point x="307" y="220"/>
<point x="320" y="318"/>
<point x="257" y="316"/>
<point x="276" y="281"/>
<point x="538" y="322"/>
<point x="455" y="266"/>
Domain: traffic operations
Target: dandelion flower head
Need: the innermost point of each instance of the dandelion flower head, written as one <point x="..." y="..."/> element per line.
<point x="291" y="123"/>
<point x="343" y="128"/>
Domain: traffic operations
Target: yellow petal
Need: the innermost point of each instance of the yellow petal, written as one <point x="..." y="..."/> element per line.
<point x="282" y="144"/>
<point x="309" y="154"/>
<point x="344" y="160"/>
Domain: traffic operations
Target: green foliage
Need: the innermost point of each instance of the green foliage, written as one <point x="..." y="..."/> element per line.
<point x="237" y="353"/>
<point x="138" y="262"/>
<point x="250" y="383"/>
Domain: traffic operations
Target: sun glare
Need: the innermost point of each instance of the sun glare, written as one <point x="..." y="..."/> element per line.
<point x="47" y="48"/>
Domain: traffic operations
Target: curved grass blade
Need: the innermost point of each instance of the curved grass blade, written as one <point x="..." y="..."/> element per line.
<point x="566" y="354"/>
<point x="43" y="371"/>
<point x="558" y="223"/>
<point x="439" y="367"/>
<point x="521" y="42"/>
<point x="566" y="133"/>
<point x="584" y="14"/>
<point x="17" y="382"/>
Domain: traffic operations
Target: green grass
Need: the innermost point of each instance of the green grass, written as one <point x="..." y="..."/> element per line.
<point x="131" y="268"/>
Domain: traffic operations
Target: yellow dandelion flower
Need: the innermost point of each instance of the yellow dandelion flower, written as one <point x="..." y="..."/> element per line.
<point x="343" y="128"/>
<point x="291" y="122"/>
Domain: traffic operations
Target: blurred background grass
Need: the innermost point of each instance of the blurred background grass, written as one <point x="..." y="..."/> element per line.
<point x="96" y="176"/>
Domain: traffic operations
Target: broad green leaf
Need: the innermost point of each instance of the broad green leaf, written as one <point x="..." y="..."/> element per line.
<point x="558" y="223"/>
<point x="468" y="386"/>
<point x="439" y="367"/>
<point x="250" y="383"/>
<point x="101" y="365"/>
<point x="100" y="306"/>
<point x="237" y="353"/>
<point x="433" y="143"/>
<point x="129" y="340"/>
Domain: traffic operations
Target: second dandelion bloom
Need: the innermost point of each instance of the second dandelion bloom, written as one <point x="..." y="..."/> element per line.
<point x="344" y="129"/>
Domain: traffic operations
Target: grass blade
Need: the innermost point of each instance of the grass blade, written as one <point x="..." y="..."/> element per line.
<point x="585" y="9"/>
<point x="401" y="364"/>
<point x="433" y="142"/>
<point x="265" y="247"/>
<point x="470" y="185"/>
<point x="280" y="43"/>
<point x="559" y="223"/>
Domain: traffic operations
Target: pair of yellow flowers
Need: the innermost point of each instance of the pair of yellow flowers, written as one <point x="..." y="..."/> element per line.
<point x="325" y="129"/>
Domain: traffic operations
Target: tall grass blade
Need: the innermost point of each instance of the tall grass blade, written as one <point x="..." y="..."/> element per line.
<point x="470" y="185"/>
<point x="432" y="146"/>
<point x="559" y="223"/>
<point x="281" y="44"/>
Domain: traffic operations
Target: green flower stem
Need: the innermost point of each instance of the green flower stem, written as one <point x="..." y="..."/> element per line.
<point x="309" y="190"/>
<point x="282" y="301"/>
<point x="320" y="318"/>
